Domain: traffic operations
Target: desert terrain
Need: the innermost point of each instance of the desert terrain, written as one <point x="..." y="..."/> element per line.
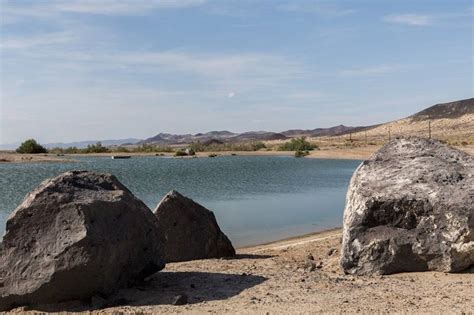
<point x="294" y="276"/>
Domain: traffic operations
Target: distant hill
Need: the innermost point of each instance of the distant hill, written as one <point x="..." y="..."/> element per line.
<point x="258" y="136"/>
<point x="453" y="121"/>
<point x="450" y="110"/>
<point x="170" y="139"/>
<point x="77" y="144"/>
<point x="319" y="132"/>
<point x="444" y="118"/>
<point x="84" y="144"/>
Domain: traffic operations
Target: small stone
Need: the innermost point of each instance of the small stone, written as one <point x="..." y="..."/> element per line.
<point x="310" y="265"/>
<point x="331" y="251"/>
<point x="181" y="299"/>
<point x="310" y="257"/>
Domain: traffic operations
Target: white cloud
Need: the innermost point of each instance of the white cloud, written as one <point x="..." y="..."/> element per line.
<point x="121" y="7"/>
<point x="14" y="12"/>
<point x="369" y="71"/>
<point x="409" y="19"/>
<point x="37" y="40"/>
<point x="316" y="8"/>
<point x="231" y="94"/>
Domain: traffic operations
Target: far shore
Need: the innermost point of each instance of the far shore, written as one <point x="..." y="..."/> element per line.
<point x="330" y="152"/>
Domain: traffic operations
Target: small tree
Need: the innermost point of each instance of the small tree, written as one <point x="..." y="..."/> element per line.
<point x="96" y="148"/>
<point x="298" y="144"/>
<point x="31" y="146"/>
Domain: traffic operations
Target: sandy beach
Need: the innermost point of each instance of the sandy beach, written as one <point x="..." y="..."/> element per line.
<point x="12" y="157"/>
<point x="279" y="278"/>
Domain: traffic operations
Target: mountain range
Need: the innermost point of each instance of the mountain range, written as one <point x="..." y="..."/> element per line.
<point x="453" y="117"/>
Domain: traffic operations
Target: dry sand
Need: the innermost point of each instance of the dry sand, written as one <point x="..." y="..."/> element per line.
<point x="12" y="157"/>
<point x="275" y="279"/>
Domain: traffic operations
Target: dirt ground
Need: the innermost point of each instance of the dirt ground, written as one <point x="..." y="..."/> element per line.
<point x="279" y="278"/>
<point x="11" y="157"/>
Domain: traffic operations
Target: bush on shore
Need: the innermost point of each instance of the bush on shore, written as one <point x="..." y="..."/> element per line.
<point x="96" y="148"/>
<point x="180" y="153"/>
<point x="297" y="144"/>
<point x="219" y="147"/>
<point x="300" y="154"/>
<point x="31" y="146"/>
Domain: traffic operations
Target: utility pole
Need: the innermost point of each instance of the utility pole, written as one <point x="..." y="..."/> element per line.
<point x="429" y="129"/>
<point x="389" y="135"/>
<point x="366" y="143"/>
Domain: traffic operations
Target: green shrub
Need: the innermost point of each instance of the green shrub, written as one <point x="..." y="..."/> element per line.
<point x="95" y="148"/>
<point x="242" y="146"/>
<point x="297" y="144"/>
<point x="149" y="148"/>
<point x="258" y="146"/>
<point x="31" y="146"/>
<point x="180" y="153"/>
<point x="299" y="154"/>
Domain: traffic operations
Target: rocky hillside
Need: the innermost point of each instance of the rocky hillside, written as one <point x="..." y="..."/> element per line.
<point x="453" y="122"/>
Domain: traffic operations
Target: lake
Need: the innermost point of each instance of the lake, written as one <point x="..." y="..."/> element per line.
<point x="255" y="199"/>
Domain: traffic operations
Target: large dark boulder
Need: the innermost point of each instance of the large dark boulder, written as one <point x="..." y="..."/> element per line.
<point x="410" y="208"/>
<point x="190" y="230"/>
<point x="75" y="236"/>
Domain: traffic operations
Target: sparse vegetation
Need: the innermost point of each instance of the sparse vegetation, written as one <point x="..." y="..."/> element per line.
<point x="245" y="146"/>
<point x="297" y="144"/>
<point x="180" y="153"/>
<point x="96" y="148"/>
<point x="149" y="148"/>
<point x="31" y="146"/>
<point x="300" y="154"/>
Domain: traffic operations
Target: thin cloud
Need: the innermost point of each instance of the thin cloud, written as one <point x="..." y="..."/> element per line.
<point x="14" y="12"/>
<point x="315" y="8"/>
<point x="369" y="71"/>
<point x="37" y="40"/>
<point x="409" y="19"/>
<point x="124" y="7"/>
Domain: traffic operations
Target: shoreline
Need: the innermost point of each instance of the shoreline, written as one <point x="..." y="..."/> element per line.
<point x="353" y="153"/>
<point x="291" y="239"/>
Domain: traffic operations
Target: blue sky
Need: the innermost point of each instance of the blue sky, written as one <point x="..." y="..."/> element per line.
<point x="102" y="69"/>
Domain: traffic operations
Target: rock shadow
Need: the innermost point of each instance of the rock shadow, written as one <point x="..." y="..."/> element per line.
<point x="163" y="287"/>
<point x="250" y="256"/>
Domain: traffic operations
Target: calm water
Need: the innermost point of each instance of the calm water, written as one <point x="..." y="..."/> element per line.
<point x="255" y="199"/>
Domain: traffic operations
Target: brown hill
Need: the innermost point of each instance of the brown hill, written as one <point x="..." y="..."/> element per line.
<point x="452" y="122"/>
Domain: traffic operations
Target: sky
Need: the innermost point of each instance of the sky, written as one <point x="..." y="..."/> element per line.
<point x="74" y="70"/>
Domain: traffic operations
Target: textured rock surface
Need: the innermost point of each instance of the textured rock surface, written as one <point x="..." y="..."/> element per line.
<point x="190" y="230"/>
<point x="75" y="236"/>
<point x="410" y="208"/>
